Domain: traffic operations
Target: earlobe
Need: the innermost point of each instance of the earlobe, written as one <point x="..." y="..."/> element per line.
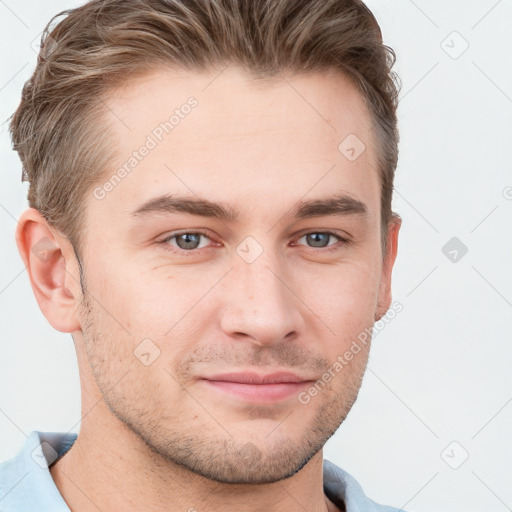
<point x="385" y="294"/>
<point x="52" y="269"/>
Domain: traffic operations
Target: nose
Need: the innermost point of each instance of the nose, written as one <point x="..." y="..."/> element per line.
<point x="259" y="303"/>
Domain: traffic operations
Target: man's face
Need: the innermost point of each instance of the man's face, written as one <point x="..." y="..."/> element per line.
<point x="268" y="292"/>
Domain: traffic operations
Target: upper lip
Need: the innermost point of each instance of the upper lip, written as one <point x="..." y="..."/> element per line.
<point x="255" y="378"/>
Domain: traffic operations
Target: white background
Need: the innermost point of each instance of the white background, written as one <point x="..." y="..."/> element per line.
<point x="441" y="370"/>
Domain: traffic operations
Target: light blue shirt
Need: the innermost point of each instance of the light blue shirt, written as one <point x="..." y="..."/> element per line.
<point x="26" y="484"/>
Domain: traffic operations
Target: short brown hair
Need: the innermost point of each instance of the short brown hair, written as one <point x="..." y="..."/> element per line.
<point x="57" y="130"/>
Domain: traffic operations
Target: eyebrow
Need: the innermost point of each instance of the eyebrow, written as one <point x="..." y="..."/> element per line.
<point x="339" y="205"/>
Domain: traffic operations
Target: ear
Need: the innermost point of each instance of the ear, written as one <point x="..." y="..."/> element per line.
<point x="52" y="268"/>
<point x="384" y="300"/>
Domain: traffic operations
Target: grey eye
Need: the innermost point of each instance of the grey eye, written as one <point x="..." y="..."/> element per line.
<point x="318" y="239"/>
<point x="188" y="241"/>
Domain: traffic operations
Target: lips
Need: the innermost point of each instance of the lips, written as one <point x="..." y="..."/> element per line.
<point x="258" y="388"/>
<point x="254" y="378"/>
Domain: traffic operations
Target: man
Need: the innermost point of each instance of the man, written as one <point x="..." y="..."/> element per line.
<point x="210" y="218"/>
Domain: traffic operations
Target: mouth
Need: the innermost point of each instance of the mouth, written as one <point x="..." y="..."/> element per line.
<point x="253" y="387"/>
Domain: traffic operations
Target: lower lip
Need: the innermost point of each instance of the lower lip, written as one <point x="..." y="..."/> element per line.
<point x="259" y="392"/>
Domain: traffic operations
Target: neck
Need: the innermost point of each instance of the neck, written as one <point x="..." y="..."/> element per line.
<point x="111" y="468"/>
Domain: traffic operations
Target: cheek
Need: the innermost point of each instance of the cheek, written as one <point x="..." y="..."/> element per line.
<point x="345" y="296"/>
<point x="166" y="303"/>
<point x="156" y="311"/>
<point x="142" y="301"/>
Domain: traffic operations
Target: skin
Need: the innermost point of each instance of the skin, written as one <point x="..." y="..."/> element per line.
<point x="158" y="437"/>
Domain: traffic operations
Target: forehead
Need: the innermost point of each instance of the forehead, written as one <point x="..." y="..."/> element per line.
<point x="222" y="133"/>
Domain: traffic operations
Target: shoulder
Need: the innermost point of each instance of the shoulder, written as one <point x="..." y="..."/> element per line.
<point x="25" y="480"/>
<point x="339" y="485"/>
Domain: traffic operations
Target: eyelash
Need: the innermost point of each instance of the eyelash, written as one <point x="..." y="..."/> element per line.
<point x="330" y="248"/>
